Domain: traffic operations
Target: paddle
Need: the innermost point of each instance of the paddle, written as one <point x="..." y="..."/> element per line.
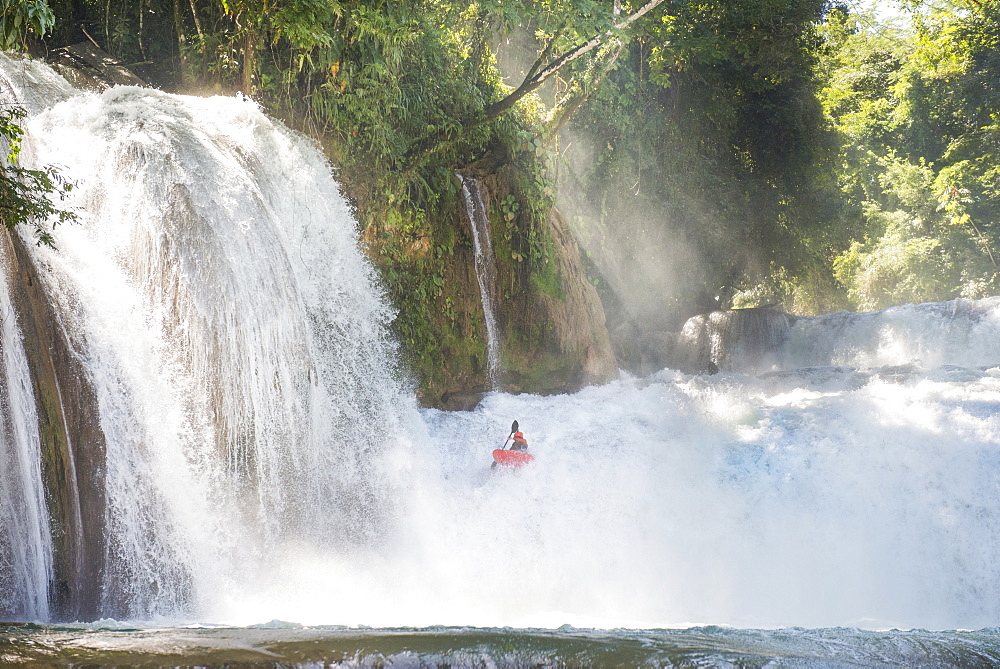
<point x="513" y="429"/>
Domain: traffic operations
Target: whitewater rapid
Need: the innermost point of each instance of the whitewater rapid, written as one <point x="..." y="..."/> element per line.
<point x="822" y="497"/>
<point x="267" y="461"/>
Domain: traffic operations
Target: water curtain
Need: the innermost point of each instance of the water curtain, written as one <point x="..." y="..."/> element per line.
<point x="232" y="332"/>
<point x="485" y="273"/>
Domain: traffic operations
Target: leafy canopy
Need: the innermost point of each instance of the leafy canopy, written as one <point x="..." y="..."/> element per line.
<point x="918" y="111"/>
<point x="20" y="17"/>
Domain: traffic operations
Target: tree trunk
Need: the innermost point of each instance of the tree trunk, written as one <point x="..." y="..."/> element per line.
<point x="249" y="61"/>
<point x="185" y="68"/>
<point x="197" y="21"/>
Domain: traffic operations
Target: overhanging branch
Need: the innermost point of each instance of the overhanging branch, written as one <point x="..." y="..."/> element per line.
<point x="537" y="76"/>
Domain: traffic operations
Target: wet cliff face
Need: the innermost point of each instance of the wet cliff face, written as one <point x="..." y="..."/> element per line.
<point x="550" y="320"/>
<point x="72" y="444"/>
<point x="570" y="347"/>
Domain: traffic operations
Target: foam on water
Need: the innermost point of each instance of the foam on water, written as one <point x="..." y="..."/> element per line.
<point x="959" y="332"/>
<point x="292" y="645"/>
<point x="813" y="499"/>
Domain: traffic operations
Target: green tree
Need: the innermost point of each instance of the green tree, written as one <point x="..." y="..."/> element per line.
<point x="19" y="18"/>
<point x="603" y="27"/>
<point x="918" y="111"/>
<point x="25" y="194"/>
<point x="702" y="167"/>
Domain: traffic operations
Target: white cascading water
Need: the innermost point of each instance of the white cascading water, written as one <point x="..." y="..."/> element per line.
<point x="232" y="332"/>
<point x="25" y="548"/>
<point x="753" y="341"/>
<point x="264" y="463"/>
<point x="959" y="332"/>
<point x="485" y="273"/>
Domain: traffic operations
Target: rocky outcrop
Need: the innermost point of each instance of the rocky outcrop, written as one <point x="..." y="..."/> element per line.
<point x="578" y="351"/>
<point x="90" y="68"/>
<point x="553" y="338"/>
<point x="550" y="319"/>
<point x="732" y="340"/>
<point x="71" y="440"/>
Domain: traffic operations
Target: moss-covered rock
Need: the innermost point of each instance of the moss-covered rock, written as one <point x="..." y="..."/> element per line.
<point x="550" y="319"/>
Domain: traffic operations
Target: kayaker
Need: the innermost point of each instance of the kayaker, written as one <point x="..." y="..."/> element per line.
<point x="520" y="443"/>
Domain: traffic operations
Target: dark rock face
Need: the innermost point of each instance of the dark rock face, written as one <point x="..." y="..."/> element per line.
<point x="578" y="322"/>
<point x="734" y="340"/>
<point x="89" y="68"/>
<point x="552" y="340"/>
<point x="461" y="401"/>
<point x="71" y="439"/>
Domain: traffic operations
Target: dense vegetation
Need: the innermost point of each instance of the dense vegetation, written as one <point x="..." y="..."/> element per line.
<point x="918" y="113"/>
<point x="703" y="169"/>
<point x="793" y="153"/>
<point x="708" y="154"/>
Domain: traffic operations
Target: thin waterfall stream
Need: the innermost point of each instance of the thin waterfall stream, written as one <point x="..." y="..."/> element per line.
<point x="25" y="547"/>
<point x="485" y="272"/>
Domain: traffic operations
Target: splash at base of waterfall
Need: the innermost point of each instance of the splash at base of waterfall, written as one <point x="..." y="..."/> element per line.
<point x="814" y="498"/>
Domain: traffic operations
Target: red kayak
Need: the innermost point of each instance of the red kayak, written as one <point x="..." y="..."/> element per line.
<point x="512" y="458"/>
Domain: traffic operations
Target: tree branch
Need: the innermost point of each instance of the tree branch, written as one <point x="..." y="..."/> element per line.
<point x="544" y="55"/>
<point x="537" y="75"/>
<point x="572" y="101"/>
<point x="541" y="76"/>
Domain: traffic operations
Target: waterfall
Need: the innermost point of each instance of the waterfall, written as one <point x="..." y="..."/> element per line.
<point x="959" y="332"/>
<point x="485" y="272"/>
<point x="25" y="548"/>
<point x="232" y="331"/>
<point x="738" y="340"/>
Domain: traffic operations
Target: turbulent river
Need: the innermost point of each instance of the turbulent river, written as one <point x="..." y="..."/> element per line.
<point x="271" y="492"/>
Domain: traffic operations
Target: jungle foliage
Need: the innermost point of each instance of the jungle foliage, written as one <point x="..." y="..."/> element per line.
<point x="27" y="196"/>
<point x="792" y="152"/>
<point x="708" y="161"/>
<point x="21" y="18"/>
<point x="718" y="154"/>
<point x="919" y="112"/>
